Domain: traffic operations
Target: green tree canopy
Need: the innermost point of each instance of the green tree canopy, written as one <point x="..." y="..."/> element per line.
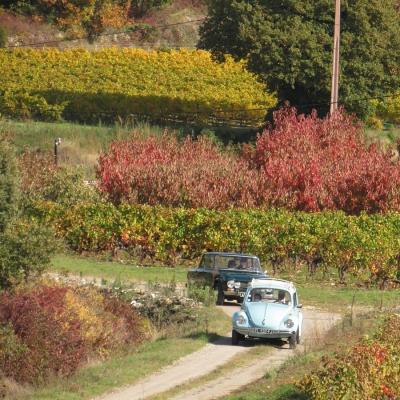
<point x="289" y="44"/>
<point x="25" y="247"/>
<point x="8" y="183"/>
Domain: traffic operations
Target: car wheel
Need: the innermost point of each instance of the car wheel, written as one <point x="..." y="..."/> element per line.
<point x="220" y="297"/>
<point x="292" y="341"/>
<point x="236" y="337"/>
<point x="298" y="337"/>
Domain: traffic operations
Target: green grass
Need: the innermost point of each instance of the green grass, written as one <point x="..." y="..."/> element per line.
<point x="122" y="370"/>
<point x="342" y="298"/>
<point x="283" y="392"/>
<point x="80" y="144"/>
<point x="116" y="271"/>
<point x="319" y="292"/>
<point x="324" y="291"/>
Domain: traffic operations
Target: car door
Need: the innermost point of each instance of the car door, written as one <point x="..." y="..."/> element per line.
<point x="203" y="274"/>
<point x="297" y="312"/>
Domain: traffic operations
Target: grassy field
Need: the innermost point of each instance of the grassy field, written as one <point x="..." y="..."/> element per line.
<point x="80" y="144"/>
<point x="116" y="271"/>
<point x="319" y="292"/>
<point x="120" y="370"/>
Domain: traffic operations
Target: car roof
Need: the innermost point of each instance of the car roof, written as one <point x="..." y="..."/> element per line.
<point x="273" y="284"/>
<point x="222" y="253"/>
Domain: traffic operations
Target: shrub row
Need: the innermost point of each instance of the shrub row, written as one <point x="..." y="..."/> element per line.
<point x="301" y="163"/>
<point x="367" y="247"/>
<point x="51" y="330"/>
<point x="88" y="86"/>
<point x="370" y="370"/>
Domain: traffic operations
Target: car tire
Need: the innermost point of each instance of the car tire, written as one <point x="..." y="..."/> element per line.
<point x="236" y="337"/>
<point x="292" y="341"/>
<point x="298" y="337"/>
<point x="220" y="297"/>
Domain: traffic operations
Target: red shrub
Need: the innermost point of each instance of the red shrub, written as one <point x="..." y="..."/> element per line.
<point x="311" y="164"/>
<point x="160" y="170"/>
<point x="302" y="163"/>
<point x="51" y="330"/>
<point x="35" y="317"/>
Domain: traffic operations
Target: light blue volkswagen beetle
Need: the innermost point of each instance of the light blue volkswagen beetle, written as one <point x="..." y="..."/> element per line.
<point x="271" y="310"/>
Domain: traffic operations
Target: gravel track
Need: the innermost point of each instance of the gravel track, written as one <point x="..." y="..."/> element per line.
<point x="216" y="354"/>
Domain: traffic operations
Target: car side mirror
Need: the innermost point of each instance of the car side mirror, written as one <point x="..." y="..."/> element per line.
<point x="299" y="305"/>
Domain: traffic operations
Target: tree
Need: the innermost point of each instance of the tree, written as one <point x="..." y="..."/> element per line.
<point x="25" y="247"/>
<point x="289" y="44"/>
<point x="8" y="183"/>
<point x="141" y="7"/>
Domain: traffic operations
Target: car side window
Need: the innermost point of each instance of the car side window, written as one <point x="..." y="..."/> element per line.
<point x="207" y="262"/>
<point x="295" y="300"/>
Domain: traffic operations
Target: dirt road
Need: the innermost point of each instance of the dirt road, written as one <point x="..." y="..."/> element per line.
<point x="216" y="354"/>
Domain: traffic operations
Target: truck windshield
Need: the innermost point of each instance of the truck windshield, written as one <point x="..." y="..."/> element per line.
<point x="218" y="261"/>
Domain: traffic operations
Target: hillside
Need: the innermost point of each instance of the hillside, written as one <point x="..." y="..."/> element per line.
<point x="24" y="30"/>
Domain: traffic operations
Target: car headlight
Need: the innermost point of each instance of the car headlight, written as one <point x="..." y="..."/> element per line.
<point x="231" y="284"/>
<point x="237" y="285"/>
<point x="289" y="323"/>
<point x="240" y="320"/>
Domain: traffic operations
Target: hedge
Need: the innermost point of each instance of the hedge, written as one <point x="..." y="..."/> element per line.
<point x="365" y="246"/>
<point x="85" y="86"/>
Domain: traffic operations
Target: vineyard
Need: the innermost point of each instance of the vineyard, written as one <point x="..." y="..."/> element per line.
<point x="84" y="86"/>
<point x="365" y="247"/>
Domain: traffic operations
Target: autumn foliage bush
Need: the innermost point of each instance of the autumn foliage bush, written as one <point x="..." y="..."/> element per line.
<point x="312" y="164"/>
<point x="51" y="330"/>
<point x="299" y="163"/>
<point x="369" y="370"/>
<point x="160" y="170"/>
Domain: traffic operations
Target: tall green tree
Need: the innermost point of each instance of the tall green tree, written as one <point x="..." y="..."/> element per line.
<point x="8" y="183"/>
<point x="25" y="247"/>
<point x="289" y="44"/>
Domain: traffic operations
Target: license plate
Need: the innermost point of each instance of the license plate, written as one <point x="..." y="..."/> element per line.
<point x="242" y="294"/>
<point x="264" y="331"/>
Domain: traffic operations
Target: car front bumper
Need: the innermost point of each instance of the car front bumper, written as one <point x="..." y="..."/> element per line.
<point x="256" y="332"/>
<point x="235" y="293"/>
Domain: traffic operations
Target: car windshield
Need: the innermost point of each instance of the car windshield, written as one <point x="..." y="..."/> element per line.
<point x="236" y="262"/>
<point x="269" y="295"/>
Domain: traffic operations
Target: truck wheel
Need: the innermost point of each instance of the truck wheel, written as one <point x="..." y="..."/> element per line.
<point x="236" y="337"/>
<point x="292" y="342"/>
<point x="220" y="297"/>
<point x="298" y="338"/>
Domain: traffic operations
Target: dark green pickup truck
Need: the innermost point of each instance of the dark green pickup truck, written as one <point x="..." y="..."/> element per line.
<point x="228" y="273"/>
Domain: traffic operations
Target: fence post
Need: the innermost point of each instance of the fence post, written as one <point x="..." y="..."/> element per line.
<point x="352" y="306"/>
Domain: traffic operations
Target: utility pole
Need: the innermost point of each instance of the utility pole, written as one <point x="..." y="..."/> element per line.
<point x="336" y="60"/>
